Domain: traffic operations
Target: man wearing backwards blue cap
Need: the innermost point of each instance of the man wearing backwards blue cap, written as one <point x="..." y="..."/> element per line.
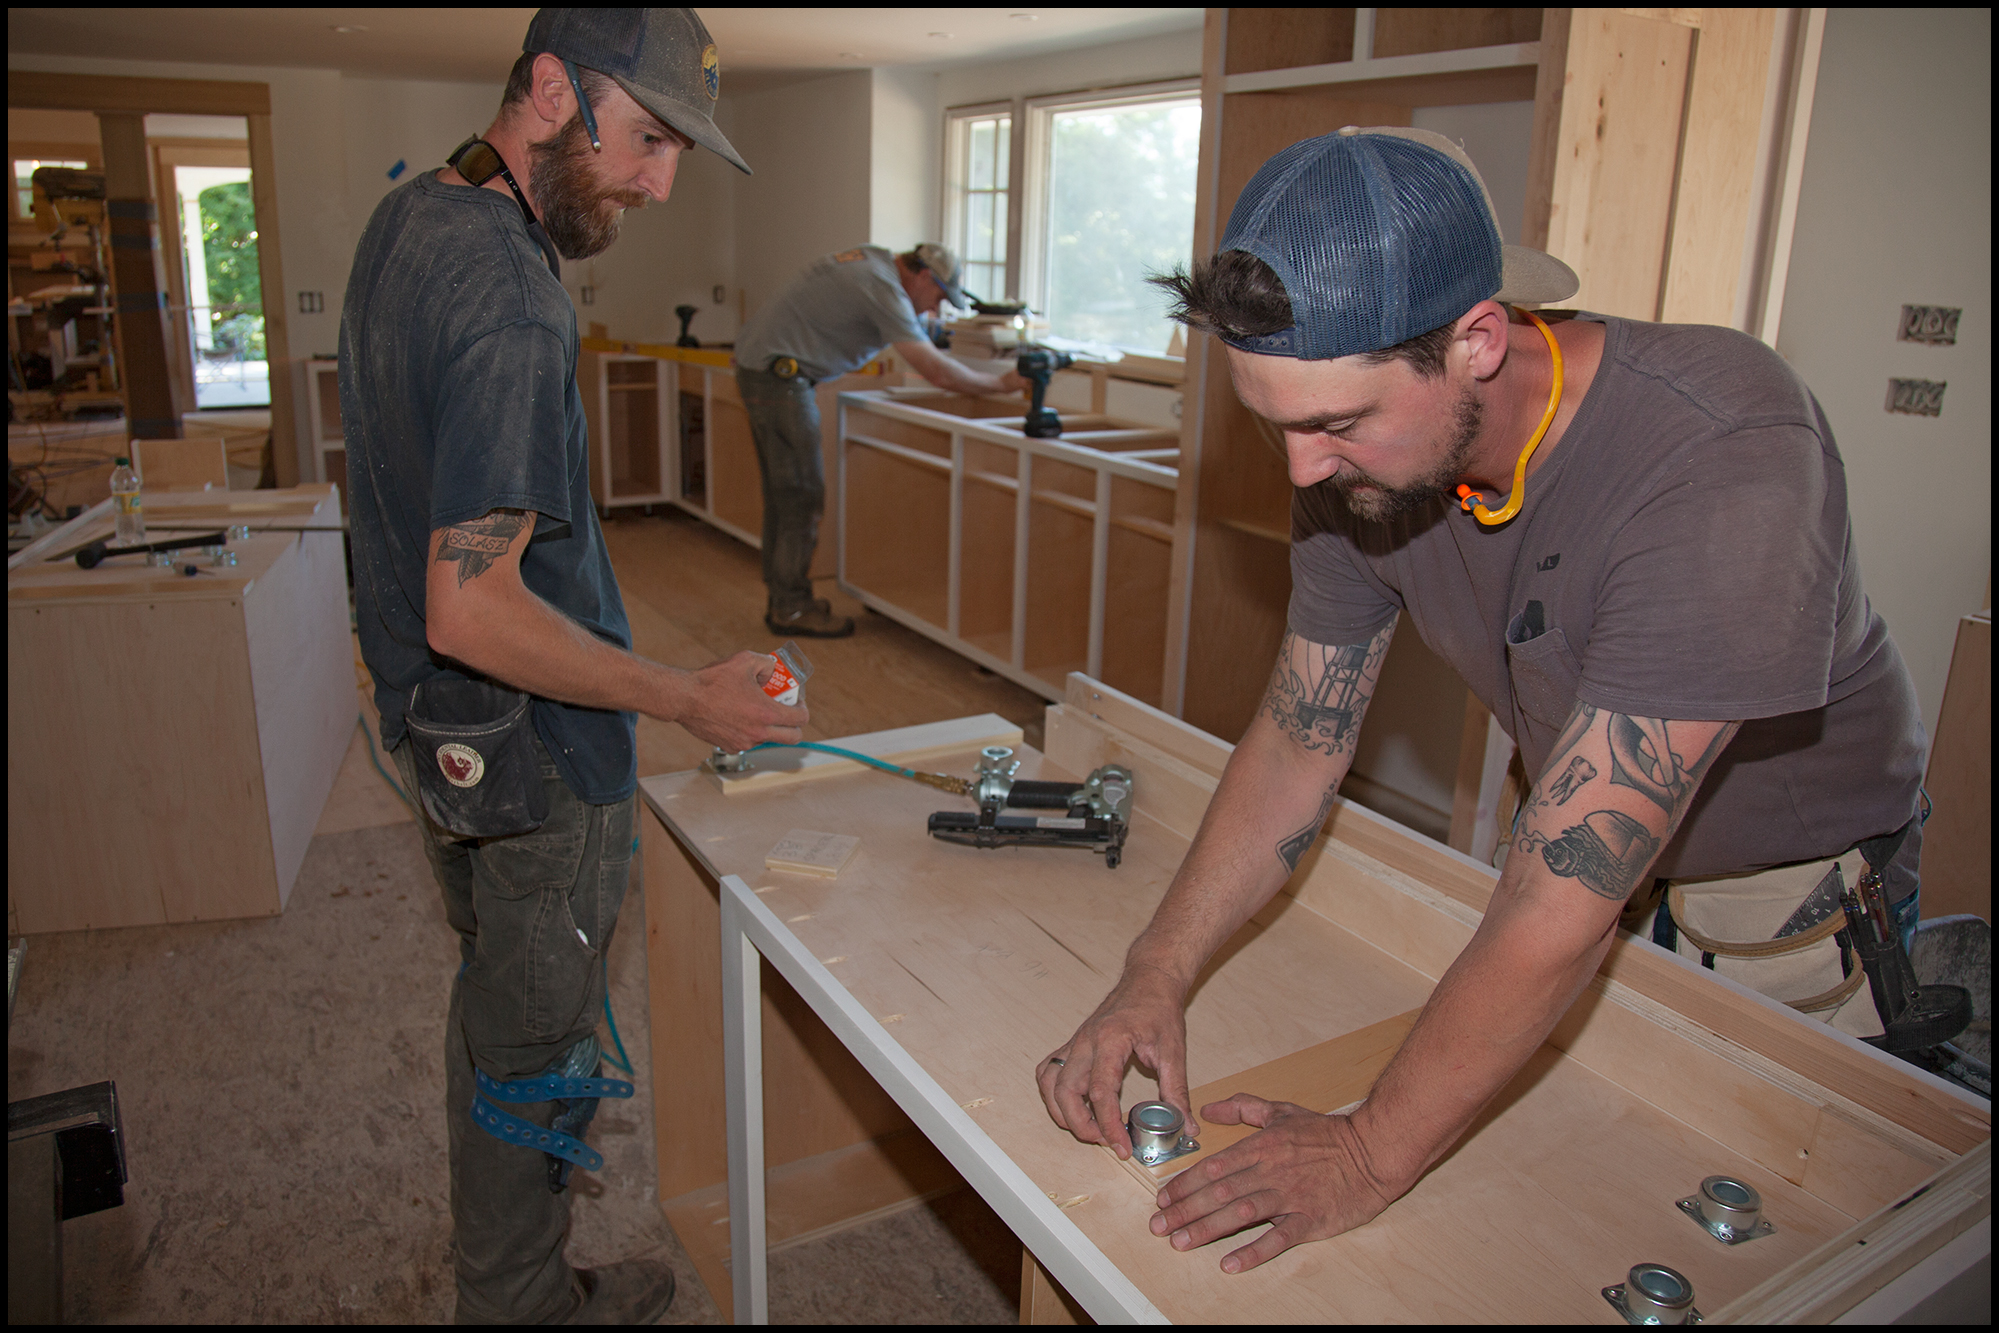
<point x="493" y="626"/>
<point x="1666" y="615"/>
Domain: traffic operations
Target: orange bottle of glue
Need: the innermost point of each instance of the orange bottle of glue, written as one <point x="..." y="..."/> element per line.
<point x="793" y="669"/>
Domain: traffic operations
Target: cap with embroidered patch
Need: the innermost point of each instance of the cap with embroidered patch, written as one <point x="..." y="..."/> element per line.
<point x="942" y="265"/>
<point x="1380" y="235"/>
<point x="663" y="57"/>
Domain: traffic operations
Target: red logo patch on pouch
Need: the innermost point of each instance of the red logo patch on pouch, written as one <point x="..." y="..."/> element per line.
<point x="461" y="765"/>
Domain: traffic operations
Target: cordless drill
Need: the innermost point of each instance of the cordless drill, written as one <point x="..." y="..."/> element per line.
<point x="1038" y="365"/>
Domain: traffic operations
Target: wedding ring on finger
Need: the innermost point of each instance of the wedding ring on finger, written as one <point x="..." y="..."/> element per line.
<point x="1057" y="1061"/>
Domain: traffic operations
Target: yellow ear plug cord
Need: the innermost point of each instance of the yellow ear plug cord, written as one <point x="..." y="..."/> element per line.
<point x="1474" y="504"/>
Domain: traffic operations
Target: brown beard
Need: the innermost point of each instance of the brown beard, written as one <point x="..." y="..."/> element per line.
<point x="1380" y="503"/>
<point x="580" y="215"/>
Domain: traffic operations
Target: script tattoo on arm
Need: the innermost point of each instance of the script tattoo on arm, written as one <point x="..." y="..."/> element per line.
<point x="476" y="544"/>
<point x="1293" y="848"/>
<point x="1320" y="691"/>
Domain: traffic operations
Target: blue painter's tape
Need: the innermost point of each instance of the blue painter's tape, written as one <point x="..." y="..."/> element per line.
<point x="397" y="169"/>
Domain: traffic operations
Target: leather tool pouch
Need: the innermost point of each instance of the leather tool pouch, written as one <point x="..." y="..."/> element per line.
<point x="477" y="772"/>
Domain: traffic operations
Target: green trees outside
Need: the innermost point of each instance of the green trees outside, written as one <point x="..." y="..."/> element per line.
<point x="1121" y="208"/>
<point x="229" y="240"/>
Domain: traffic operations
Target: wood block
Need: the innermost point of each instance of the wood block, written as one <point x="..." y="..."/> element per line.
<point x="196" y="464"/>
<point x="805" y="852"/>
<point x="1332" y="1076"/>
<point x="1957" y="842"/>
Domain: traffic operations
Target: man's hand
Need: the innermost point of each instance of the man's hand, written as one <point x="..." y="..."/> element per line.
<point x="1012" y="382"/>
<point x="954" y="376"/>
<point x="1307" y="1173"/>
<point x="724" y="704"/>
<point x="1143" y="1015"/>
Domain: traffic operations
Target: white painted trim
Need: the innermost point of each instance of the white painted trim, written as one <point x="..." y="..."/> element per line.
<point x="750" y="928"/>
<point x="1363" y="34"/>
<point x="1804" y="87"/>
<point x="1505" y="56"/>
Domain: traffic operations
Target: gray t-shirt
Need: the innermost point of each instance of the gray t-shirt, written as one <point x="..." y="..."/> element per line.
<point x="833" y="317"/>
<point x="1685" y="552"/>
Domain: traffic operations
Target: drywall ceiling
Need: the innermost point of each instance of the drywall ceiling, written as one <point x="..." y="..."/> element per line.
<point x="479" y="45"/>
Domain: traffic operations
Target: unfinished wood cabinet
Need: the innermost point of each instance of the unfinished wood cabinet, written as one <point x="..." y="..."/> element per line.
<point x="1032" y="557"/>
<point x="667" y="426"/>
<point x="629" y="403"/>
<point x="1661" y="1073"/>
<point x="170" y="740"/>
<point x="1657" y="168"/>
<point x="320" y="429"/>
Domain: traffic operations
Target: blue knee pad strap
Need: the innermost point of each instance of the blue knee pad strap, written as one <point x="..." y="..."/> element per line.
<point x="512" y="1129"/>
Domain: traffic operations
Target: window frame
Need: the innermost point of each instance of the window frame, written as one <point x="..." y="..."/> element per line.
<point x="957" y="121"/>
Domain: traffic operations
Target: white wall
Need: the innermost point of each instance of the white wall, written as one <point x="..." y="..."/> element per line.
<point x="905" y="159"/>
<point x="1173" y="55"/>
<point x="1894" y="209"/>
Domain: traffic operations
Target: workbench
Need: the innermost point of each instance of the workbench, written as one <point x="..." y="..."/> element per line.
<point x="885" y="1046"/>
<point x="171" y="740"/>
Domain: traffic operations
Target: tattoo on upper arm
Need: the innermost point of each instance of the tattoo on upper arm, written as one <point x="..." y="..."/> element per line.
<point x="1608" y="852"/>
<point x="1293" y="848"/>
<point x="476" y="544"/>
<point x="1321" y="707"/>
<point x="1642" y="758"/>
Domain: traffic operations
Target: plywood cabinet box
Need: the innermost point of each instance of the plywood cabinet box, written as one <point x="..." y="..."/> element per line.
<point x="667" y="426"/>
<point x="1032" y="557"/>
<point x="975" y="964"/>
<point x="171" y="741"/>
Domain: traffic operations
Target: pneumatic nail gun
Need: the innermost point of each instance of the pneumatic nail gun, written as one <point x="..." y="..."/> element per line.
<point x="1095" y="813"/>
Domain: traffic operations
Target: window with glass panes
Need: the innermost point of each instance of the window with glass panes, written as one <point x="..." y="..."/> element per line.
<point x="982" y="149"/>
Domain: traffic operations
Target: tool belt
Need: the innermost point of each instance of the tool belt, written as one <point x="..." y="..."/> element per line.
<point x="477" y="772"/>
<point x="1782" y="933"/>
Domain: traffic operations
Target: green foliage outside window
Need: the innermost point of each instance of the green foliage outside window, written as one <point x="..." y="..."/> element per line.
<point x="1121" y="207"/>
<point x="229" y="240"/>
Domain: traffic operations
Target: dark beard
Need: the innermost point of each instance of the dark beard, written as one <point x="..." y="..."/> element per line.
<point x="1383" y="503"/>
<point x="580" y="216"/>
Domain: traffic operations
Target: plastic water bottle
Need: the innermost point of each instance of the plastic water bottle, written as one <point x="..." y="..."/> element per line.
<point x="130" y="508"/>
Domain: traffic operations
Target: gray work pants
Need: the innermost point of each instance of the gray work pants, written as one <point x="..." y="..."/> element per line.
<point x="534" y="915"/>
<point x="784" y="422"/>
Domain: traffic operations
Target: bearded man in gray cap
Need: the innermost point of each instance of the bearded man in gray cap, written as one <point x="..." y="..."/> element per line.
<point x="1666" y="615"/>
<point x="492" y="624"/>
<point x="827" y="322"/>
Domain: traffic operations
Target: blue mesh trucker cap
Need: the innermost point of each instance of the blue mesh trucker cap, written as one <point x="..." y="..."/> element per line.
<point x="663" y="57"/>
<point x="1379" y="235"/>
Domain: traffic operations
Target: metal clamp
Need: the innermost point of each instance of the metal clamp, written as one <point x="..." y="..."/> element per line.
<point x="1155" y="1133"/>
<point x="1728" y="1209"/>
<point x="1654" y="1294"/>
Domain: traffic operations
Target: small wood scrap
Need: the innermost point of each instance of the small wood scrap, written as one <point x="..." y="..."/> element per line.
<point x="808" y="852"/>
<point x="1332" y="1077"/>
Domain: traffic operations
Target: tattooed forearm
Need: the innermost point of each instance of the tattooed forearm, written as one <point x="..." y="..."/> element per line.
<point x="1293" y="848"/>
<point x="1608" y="852"/>
<point x="1319" y="692"/>
<point x="476" y="544"/>
<point x="1579" y="771"/>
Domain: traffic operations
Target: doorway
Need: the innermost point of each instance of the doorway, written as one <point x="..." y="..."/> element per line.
<point x="209" y="232"/>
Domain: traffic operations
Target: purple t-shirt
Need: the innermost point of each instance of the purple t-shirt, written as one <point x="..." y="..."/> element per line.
<point x="1685" y="552"/>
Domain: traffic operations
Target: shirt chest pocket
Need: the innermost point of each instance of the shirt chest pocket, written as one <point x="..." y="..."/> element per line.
<point x="1543" y="669"/>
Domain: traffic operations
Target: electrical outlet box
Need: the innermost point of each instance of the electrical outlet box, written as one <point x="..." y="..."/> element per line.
<point x="1916" y="398"/>
<point x="1933" y="324"/>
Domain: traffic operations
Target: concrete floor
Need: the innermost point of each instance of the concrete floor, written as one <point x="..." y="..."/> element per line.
<point x="281" y="1082"/>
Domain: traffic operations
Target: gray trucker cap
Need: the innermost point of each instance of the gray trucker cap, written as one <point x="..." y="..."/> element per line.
<point x="663" y="57"/>
<point x="1380" y="235"/>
